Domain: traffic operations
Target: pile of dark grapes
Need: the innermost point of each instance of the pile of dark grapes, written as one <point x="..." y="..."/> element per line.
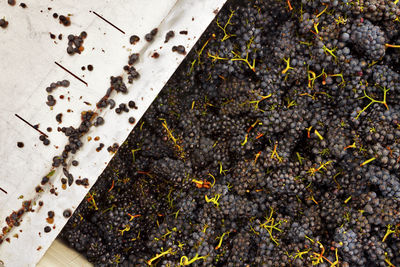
<point x="275" y="143"/>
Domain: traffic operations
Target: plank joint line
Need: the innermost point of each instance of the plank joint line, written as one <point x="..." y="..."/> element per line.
<point x="70" y="72"/>
<point x="22" y="119"/>
<point x="94" y="12"/>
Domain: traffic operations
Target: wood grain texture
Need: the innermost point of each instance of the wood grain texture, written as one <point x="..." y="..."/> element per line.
<point x="60" y="255"/>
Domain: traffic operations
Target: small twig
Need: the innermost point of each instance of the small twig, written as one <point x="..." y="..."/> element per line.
<point x="221" y="239"/>
<point x="289" y="5"/>
<point x="169" y="251"/>
<point x="275" y="153"/>
<point x="318" y="134"/>
<point x="374" y="101"/>
<point x="287" y="61"/>
<point x="330" y="52"/>
<point x="185" y="261"/>
<point x="389" y="231"/>
<point x="392" y="46"/>
<point x="226" y="35"/>
<point x="323" y="11"/>
<point x="237" y="56"/>
<point x="213" y="200"/>
<point x="367" y="161"/>
<point x="269" y="225"/>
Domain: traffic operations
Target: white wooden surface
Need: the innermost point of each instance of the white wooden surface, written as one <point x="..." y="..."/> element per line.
<point x="27" y="67"/>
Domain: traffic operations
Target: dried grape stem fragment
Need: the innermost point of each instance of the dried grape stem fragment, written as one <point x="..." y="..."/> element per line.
<point x="374" y="101"/>
<point x="226" y="35"/>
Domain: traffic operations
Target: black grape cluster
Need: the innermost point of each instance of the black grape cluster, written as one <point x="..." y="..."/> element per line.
<point x="275" y="143"/>
<point x="369" y="40"/>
